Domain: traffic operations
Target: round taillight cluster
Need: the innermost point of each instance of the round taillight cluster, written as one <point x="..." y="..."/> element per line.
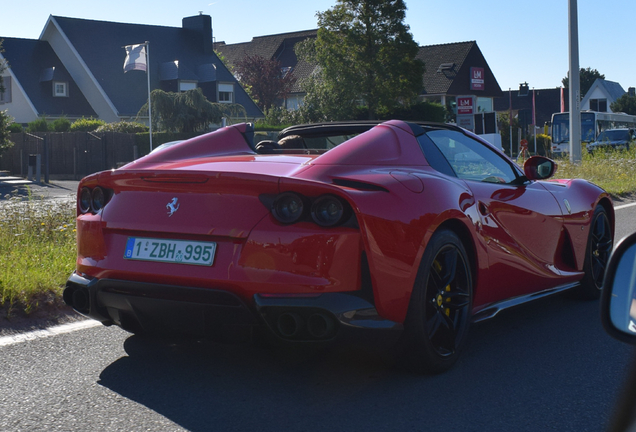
<point x="288" y="208"/>
<point x="92" y="200"/>
<point x="325" y="210"/>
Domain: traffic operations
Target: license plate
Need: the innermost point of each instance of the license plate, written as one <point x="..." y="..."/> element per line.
<point x="170" y="251"/>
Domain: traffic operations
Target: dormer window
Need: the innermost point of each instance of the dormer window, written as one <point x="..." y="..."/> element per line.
<point x="187" y="85"/>
<point x="285" y="70"/>
<point x="226" y="93"/>
<point x="60" y="89"/>
<point x="446" y="67"/>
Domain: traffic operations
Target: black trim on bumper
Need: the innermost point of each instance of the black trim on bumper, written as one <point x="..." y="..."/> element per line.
<point x="323" y="317"/>
<point x="163" y="309"/>
<point x="221" y="315"/>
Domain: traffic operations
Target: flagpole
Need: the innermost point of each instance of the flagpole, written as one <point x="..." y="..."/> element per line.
<point x="534" y="121"/>
<point x="149" y="101"/>
<point x="510" y="117"/>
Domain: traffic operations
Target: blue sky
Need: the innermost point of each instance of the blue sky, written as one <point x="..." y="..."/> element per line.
<point x="522" y="41"/>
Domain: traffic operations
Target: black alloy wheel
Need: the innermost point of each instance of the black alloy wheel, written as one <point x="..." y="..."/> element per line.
<point x="447" y="300"/>
<point x="599" y="248"/>
<point x="439" y="313"/>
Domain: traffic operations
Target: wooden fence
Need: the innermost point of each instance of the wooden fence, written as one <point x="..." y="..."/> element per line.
<point x="68" y="155"/>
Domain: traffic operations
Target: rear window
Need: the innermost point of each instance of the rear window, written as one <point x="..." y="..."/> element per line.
<point x="614" y="135"/>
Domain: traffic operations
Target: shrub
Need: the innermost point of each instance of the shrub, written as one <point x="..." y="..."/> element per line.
<point x="544" y="144"/>
<point x="39" y="125"/>
<point x="279" y="118"/>
<point x="15" y="128"/>
<point x="86" y="124"/>
<point x="61" y="125"/>
<point x="5" y="122"/>
<point x="421" y="111"/>
<point x="123" y="127"/>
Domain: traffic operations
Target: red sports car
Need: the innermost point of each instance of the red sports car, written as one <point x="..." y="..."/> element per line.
<point x="336" y="230"/>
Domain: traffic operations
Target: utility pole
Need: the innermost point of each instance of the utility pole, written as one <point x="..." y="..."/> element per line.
<point x="575" y="85"/>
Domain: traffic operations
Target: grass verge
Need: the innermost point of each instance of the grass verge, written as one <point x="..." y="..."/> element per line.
<point x="614" y="171"/>
<point x="37" y="252"/>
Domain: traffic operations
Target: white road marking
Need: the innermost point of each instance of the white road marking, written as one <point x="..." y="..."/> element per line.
<point x="620" y="207"/>
<point x="48" y="332"/>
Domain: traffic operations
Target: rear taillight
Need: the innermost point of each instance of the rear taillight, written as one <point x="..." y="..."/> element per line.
<point x="92" y="200"/>
<point x="84" y="201"/>
<point x="328" y="211"/>
<point x="325" y="210"/>
<point x="288" y="208"/>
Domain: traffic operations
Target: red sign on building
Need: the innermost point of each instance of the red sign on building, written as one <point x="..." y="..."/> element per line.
<point x="464" y="105"/>
<point x="477" y="78"/>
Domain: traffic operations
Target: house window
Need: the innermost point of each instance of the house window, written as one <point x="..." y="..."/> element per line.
<point x="187" y="85"/>
<point x="285" y="70"/>
<point x="60" y="89"/>
<point x="484" y="104"/>
<point x="598" y="105"/>
<point x="5" y="96"/>
<point x="226" y="93"/>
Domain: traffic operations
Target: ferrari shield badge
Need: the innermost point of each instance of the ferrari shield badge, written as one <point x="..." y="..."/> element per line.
<point x="173" y="206"/>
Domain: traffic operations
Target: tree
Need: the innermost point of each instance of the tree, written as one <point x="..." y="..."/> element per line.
<point x="188" y="111"/>
<point x="586" y="79"/>
<point x="264" y="79"/>
<point x="5" y="118"/>
<point x="625" y="103"/>
<point x="365" y="55"/>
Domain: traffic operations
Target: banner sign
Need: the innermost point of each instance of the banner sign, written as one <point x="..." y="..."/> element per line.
<point x="465" y="105"/>
<point x="466" y="122"/>
<point x="477" y="78"/>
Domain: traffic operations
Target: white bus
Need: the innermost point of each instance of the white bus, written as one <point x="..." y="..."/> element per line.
<point x="592" y="123"/>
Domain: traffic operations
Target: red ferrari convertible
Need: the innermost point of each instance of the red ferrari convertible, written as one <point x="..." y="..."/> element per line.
<point x="333" y="231"/>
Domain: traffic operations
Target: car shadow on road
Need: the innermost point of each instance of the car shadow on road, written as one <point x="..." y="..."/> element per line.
<point x="543" y="358"/>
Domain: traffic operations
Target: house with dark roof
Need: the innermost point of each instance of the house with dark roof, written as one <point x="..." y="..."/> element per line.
<point x="455" y="69"/>
<point x="458" y="69"/>
<point x="91" y="55"/>
<point x="279" y="47"/>
<point x="601" y="95"/>
<point x="37" y="83"/>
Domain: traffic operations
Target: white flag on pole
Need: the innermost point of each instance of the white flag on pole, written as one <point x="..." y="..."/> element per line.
<point x="135" y="58"/>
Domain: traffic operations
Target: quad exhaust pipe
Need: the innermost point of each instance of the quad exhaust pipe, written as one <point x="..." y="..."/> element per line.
<point x="77" y="298"/>
<point x="320" y="325"/>
<point x="289" y="324"/>
<point x="316" y="326"/>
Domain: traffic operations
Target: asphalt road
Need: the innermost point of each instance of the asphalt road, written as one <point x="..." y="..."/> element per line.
<point x="545" y="366"/>
<point x="54" y="189"/>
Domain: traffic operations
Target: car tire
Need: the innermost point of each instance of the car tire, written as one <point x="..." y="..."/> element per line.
<point x="597" y="253"/>
<point x="438" y="317"/>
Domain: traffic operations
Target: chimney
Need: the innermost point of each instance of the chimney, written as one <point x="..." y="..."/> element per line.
<point x="201" y="28"/>
<point x="631" y="91"/>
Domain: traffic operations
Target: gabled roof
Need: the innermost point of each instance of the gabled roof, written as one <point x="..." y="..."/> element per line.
<point x="448" y="69"/>
<point x="36" y="66"/>
<point x="277" y="47"/>
<point x="100" y="44"/>
<point x="447" y="65"/>
<point x="612" y="89"/>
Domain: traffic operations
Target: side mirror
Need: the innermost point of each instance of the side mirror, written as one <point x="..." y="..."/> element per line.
<point x="618" y="301"/>
<point x="539" y="168"/>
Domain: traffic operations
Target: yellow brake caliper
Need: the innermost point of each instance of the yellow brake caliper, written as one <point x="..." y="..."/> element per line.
<point x="440" y="299"/>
